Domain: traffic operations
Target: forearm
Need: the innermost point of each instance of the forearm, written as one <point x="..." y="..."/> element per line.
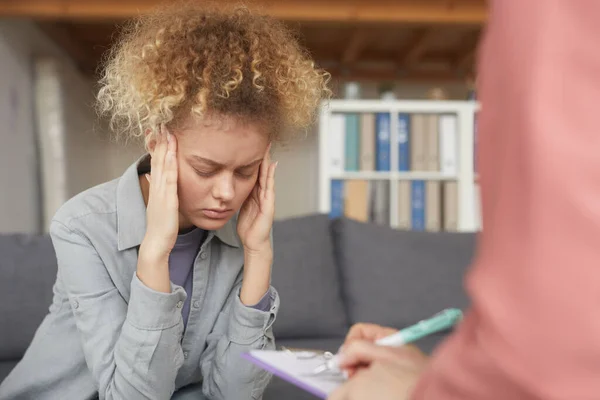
<point x="257" y="276"/>
<point x="153" y="268"/>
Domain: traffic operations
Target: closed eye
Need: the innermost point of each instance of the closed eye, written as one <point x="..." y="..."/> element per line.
<point x="204" y="174"/>
<point x="245" y="175"/>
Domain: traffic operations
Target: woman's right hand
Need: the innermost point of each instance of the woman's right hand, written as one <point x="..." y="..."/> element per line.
<point x="162" y="215"/>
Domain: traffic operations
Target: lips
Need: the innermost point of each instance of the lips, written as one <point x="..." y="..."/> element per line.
<point x="216" y="213"/>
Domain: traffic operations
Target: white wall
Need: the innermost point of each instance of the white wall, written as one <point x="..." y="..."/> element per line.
<point x="91" y="156"/>
<point x="19" y="195"/>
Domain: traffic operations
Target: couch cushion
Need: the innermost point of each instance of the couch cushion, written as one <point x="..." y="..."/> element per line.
<point x="396" y="278"/>
<point x="279" y="389"/>
<point x="306" y="276"/>
<point x="27" y="274"/>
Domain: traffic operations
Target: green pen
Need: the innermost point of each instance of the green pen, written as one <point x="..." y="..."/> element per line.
<point x="439" y="322"/>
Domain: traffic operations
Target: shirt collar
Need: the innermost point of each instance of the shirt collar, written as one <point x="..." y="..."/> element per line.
<point x="131" y="213"/>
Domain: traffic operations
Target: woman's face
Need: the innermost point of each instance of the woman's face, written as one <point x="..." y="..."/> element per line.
<point x="218" y="168"/>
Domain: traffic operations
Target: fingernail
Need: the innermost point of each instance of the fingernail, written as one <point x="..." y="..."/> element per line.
<point x="147" y="177"/>
<point x="276" y="162"/>
<point x="341" y="349"/>
<point x="168" y="137"/>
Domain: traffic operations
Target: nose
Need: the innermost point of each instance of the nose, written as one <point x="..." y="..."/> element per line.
<point x="223" y="189"/>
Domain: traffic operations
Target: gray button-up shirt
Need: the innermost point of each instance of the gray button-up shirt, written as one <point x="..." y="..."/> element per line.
<point x="108" y="335"/>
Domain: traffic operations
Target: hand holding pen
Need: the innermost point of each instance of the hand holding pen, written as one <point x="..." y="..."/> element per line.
<point x="379" y="343"/>
<point x="381" y="362"/>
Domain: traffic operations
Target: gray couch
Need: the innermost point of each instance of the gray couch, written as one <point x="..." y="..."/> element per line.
<point x="329" y="274"/>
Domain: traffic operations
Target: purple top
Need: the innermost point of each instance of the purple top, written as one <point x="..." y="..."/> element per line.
<point x="181" y="268"/>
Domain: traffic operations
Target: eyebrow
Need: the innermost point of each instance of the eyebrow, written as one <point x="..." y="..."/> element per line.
<point x="219" y="165"/>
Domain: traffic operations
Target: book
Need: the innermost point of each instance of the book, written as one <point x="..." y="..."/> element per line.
<point x="367" y="142"/>
<point x="418" y="135"/>
<point x="403" y="145"/>
<point x="352" y="143"/>
<point x="337" y="129"/>
<point x="432" y="143"/>
<point x="356" y="205"/>
<point x="450" y="195"/>
<point x="379" y="210"/>
<point x="404" y="205"/>
<point x="337" y="199"/>
<point x="418" y="205"/>
<point x="433" y="206"/>
<point x="448" y="145"/>
<point x="383" y="132"/>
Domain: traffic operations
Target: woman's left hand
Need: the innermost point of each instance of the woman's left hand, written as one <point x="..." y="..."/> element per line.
<point x="256" y="215"/>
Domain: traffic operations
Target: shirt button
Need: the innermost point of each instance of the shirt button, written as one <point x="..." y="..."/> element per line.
<point x="185" y="354"/>
<point x="179" y="304"/>
<point x="203" y="256"/>
<point x="75" y="304"/>
<point x="196" y="304"/>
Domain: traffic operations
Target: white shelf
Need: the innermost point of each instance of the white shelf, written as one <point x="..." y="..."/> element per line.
<point x="404" y="106"/>
<point x="466" y="179"/>
<point x="394" y="175"/>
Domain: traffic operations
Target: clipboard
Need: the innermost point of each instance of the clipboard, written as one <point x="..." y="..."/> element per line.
<point x="296" y="370"/>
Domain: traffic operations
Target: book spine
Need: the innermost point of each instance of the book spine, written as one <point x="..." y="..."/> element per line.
<point x="403" y="145"/>
<point x="383" y="141"/>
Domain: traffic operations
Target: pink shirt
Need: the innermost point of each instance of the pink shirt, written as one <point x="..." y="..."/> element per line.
<point x="534" y="329"/>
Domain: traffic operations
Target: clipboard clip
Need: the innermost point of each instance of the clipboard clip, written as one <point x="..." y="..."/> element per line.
<point x="301" y="354"/>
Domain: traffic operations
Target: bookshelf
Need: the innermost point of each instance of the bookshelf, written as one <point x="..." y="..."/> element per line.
<point x="463" y="173"/>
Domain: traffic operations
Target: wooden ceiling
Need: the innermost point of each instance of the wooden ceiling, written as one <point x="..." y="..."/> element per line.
<point x="417" y="40"/>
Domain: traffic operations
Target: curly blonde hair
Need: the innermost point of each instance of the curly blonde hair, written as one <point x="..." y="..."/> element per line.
<point x="190" y="59"/>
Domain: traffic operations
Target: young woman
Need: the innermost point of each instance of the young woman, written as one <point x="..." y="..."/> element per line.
<point x="164" y="273"/>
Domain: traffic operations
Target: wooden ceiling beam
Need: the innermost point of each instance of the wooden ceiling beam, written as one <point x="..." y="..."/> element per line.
<point x="415" y="50"/>
<point x="465" y="58"/>
<point x="394" y="74"/>
<point x="83" y="57"/>
<point x="355" y="46"/>
<point x="391" y="11"/>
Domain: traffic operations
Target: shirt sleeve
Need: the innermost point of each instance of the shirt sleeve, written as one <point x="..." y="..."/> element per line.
<point x="239" y="329"/>
<point x="264" y="304"/>
<point x="132" y="349"/>
<point x="533" y="329"/>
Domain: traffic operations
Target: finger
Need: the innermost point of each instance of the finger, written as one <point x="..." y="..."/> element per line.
<point x="171" y="144"/>
<point x="171" y="168"/>
<point x="269" y="192"/>
<point x="341" y="393"/>
<point x="160" y="152"/>
<point x="264" y="170"/>
<point x="352" y="371"/>
<point x="369" y="332"/>
<point x="361" y="352"/>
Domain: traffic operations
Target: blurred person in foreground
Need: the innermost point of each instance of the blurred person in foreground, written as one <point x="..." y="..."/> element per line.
<point x="533" y="329"/>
